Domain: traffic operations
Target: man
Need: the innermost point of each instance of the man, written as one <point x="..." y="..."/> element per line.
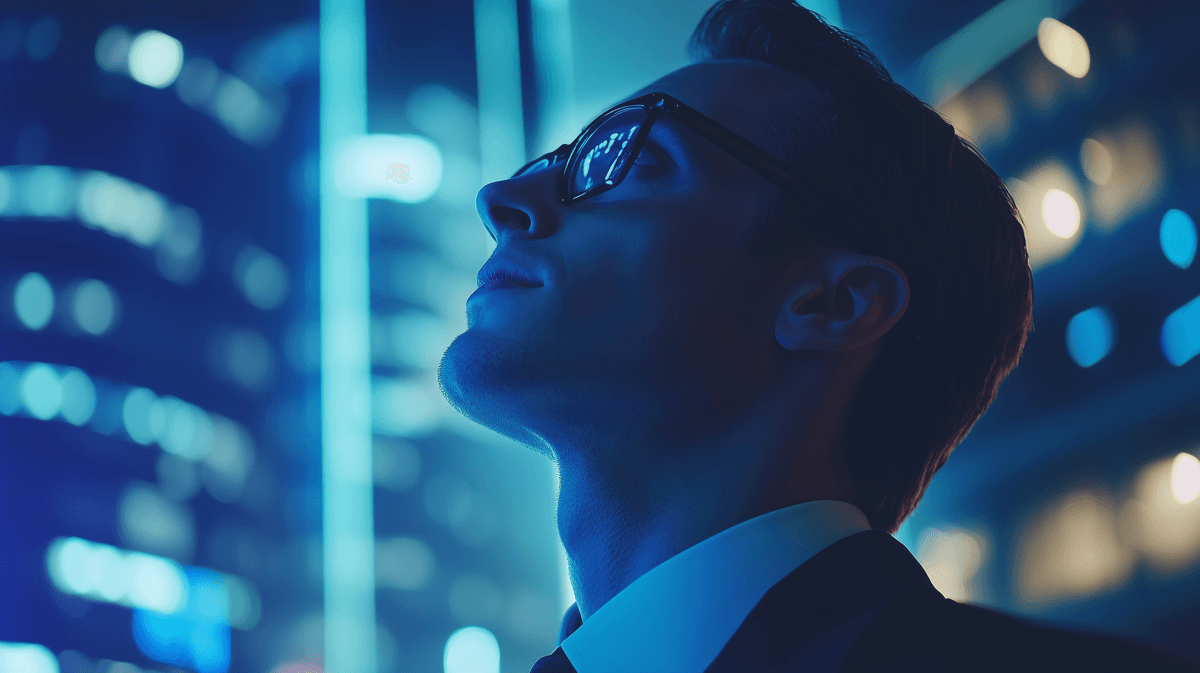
<point x="748" y="314"/>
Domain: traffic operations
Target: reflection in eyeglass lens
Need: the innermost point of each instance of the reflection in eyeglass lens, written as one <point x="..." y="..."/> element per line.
<point x="604" y="152"/>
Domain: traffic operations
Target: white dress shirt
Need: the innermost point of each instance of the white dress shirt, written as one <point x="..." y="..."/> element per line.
<point x="678" y="617"/>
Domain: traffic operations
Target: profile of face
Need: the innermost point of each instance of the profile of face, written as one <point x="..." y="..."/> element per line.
<point x="641" y="309"/>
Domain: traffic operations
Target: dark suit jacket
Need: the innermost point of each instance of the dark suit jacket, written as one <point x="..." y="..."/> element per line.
<point x="865" y="604"/>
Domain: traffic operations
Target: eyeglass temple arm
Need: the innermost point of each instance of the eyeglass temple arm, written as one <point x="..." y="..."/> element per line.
<point x="743" y="150"/>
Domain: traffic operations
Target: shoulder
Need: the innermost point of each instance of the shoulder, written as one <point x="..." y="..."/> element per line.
<point x="926" y="633"/>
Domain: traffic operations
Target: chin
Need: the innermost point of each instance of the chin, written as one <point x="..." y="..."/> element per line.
<point x="486" y="379"/>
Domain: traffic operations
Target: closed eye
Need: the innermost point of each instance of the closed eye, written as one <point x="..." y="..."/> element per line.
<point x="652" y="155"/>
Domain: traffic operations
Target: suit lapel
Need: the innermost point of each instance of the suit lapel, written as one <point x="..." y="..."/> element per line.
<point x="812" y="617"/>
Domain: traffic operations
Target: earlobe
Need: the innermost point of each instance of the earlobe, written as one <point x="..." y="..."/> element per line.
<point x="861" y="298"/>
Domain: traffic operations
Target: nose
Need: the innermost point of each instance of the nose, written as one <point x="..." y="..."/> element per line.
<point x="523" y="206"/>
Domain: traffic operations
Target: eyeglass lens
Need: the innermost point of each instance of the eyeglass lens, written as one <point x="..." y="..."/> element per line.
<point x="604" y="152"/>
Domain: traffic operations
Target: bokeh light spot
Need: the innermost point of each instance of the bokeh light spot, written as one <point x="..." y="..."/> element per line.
<point x="1064" y="47"/>
<point x="41" y="391"/>
<point x="1177" y="235"/>
<point x="33" y="300"/>
<point x="472" y="650"/>
<point x="1185" y="478"/>
<point x="155" y="59"/>
<point x="1061" y="213"/>
<point x="1091" y="335"/>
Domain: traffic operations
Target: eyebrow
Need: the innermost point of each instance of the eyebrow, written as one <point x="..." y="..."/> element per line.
<point x="672" y="128"/>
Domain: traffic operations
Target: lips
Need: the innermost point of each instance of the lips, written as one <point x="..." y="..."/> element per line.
<point x="501" y="269"/>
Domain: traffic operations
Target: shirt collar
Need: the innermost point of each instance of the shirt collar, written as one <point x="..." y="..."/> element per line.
<point x="677" y="617"/>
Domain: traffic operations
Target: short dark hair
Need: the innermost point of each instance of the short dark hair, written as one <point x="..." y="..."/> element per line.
<point x="903" y="186"/>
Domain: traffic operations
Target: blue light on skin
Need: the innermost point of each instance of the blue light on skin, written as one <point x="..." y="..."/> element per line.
<point x="1091" y="335"/>
<point x="1180" y="337"/>
<point x="1177" y="235"/>
<point x="654" y="315"/>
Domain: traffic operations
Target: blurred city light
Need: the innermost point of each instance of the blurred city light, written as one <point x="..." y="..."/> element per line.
<point x="406" y="407"/>
<point x="152" y="523"/>
<point x="472" y="649"/>
<point x="952" y="557"/>
<point x="1177" y="236"/>
<point x="197" y="81"/>
<point x="262" y="277"/>
<point x="960" y="59"/>
<point x="404" y="563"/>
<point x="167" y="267"/>
<point x="41" y="391"/>
<point x="78" y="396"/>
<point x="555" y="62"/>
<point x="143" y="416"/>
<point x="501" y="114"/>
<point x="43" y="38"/>
<point x="112" y="49"/>
<point x="243" y="111"/>
<point x="982" y="114"/>
<point x="348" y="523"/>
<point x="244" y="602"/>
<point x="195" y="635"/>
<point x="1131" y="156"/>
<point x="1185" y="478"/>
<point x="155" y="58"/>
<point x="1097" y="161"/>
<point x="1064" y="47"/>
<point x="1072" y="550"/>
<point x="104" y="573"/>
<point x="1180" y="337"/>
<point x="27" y="658"/>
<point x="1060" y="212"/>
<point x="1156" y="520"/>
<point x="405" y="168"/>
<point x="1091" y="335"/>
<point x="94" y="307"/>
<point x="33" y="300"/>
<point x="1048" y="198"/>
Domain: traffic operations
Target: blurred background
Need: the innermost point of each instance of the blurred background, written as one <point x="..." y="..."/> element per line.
<point x="229" y="228"/>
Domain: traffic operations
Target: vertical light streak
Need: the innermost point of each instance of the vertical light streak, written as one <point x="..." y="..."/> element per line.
<point x="498" y="70"/>
<point x="555" y="61"/>
<point x="348" y="521"/>
<point x="966" y="55"/>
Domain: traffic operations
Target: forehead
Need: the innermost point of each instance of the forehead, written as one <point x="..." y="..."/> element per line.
<point x="743" y="95"/>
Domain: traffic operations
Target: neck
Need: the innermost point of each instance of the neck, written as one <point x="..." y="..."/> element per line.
<point x="628" y="503"/>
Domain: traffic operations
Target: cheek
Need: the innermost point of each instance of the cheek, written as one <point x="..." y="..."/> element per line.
<point x="672" y="278"/>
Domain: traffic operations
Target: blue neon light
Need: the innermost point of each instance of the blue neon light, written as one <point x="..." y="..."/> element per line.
<point x="195" y="638"/>
<point x="1091" y="335"/>
<point x="347" y="508"/>
<point x="1177" y="235"/>
<point x="1181" y="333"/>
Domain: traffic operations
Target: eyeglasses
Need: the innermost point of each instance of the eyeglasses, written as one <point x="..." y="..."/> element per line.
<point x="607" y="148"/>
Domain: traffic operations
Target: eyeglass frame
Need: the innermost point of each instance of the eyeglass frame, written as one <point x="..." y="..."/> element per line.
<point x="655" y="104"/>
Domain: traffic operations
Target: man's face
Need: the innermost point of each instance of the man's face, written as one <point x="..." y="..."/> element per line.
<point x="651" y="310"/>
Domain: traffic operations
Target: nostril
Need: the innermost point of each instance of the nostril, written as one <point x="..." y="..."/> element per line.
<point x="510" y="218"/>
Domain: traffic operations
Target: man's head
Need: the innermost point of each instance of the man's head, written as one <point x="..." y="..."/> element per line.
<point x="696" y="294"/>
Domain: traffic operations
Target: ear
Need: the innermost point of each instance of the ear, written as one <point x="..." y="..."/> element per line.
<point x="842" y="301"/>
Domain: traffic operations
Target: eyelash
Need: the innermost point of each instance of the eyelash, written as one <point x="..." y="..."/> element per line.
<point x="647" y="153"/>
